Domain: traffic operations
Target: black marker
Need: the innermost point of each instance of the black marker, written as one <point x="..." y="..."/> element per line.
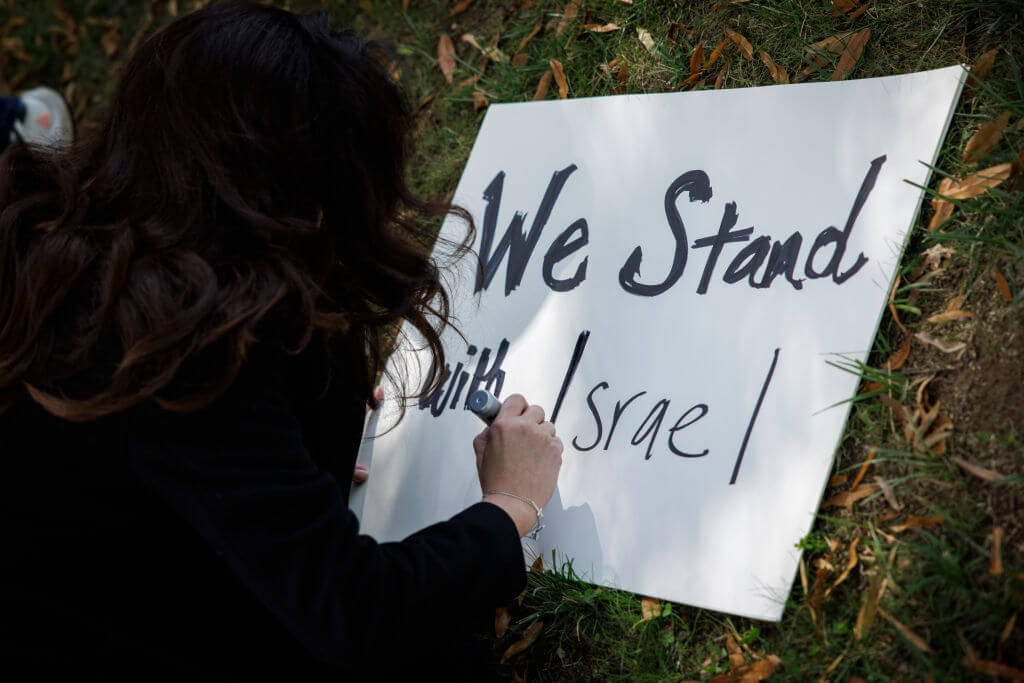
<point x="484" y="405"/>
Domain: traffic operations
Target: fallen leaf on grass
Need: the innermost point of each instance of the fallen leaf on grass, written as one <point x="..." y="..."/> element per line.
<point x="757" y="671"/>
<point x="995" y="567"/>
<point x="446" y="57"/>
<point x="859" y="11"/>
<point x="892" y="304"/>
<point x="650" y="608"/>
<point x="490" y="52"/>
<point x="890" y="498"/>
<point x="979" y="183"/>
<point x="943" y="211"/>
<point x="837" y="480"/>
<point x="851" y="54"/>
<point x="991" y="668"/>
<point x="941" y="344"/>
<point x="527" y="39"/>
<point x="542" y="86"/>
<point x="598" y="28"/>
<point x="571" y="10"/>
<point x="735" y="653"/>
<point x="915" y="640"/>
<point x="697" y="59"/>
<point x="935" y="255"/>
<point x="844" y="6"/>
<point x="946" y="316"/>
<point x="777" y="73"/>
<point x="870" y="605"/>
<point x="622" y="77"/>
<point x="560" y="80"/>
<point x="848" y="498"/>
<point x="986" y="138"/>
<point x="716" y="53"/>
<point x="898" y="357"/>
<point x="851" y="562"/>
<point x="1004" y="637"/>
<point x="530" y="636"/>
<point x="646" y="39"/>
<point x="982" y="473"/>
<point x="110" y="40"/>
<point x="917" y="523"/>
<point x="480" y="100"/>
<point x="863" y="468"/>
<point x="502" y="618"/>
<point x="538" y="564"/>
<point x="460" y="7"/>
<point x="1002" y="285"/>
<point x="720" y="79"/>
<point x="984" y="64"/>
<point x="742" y="43"/>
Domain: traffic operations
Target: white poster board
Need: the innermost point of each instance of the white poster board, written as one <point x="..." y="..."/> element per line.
<point x="670" y="260"/>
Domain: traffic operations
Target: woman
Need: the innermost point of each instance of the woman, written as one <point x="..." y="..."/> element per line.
<point x="192" y="313"/>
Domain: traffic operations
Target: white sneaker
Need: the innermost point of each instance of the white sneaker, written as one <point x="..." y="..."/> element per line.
<point x="47" y="119"/>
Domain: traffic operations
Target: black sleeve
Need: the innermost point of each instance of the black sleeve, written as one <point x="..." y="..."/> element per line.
<point x="240" y="475"/>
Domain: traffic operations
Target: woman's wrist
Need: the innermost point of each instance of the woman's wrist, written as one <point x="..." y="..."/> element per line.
<point x="521" y="512"/>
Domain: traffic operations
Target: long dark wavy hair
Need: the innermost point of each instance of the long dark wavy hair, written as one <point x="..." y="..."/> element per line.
<point x="248" y="185"/>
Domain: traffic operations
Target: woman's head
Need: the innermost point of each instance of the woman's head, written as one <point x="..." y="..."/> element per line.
<point x="245" y="185"/>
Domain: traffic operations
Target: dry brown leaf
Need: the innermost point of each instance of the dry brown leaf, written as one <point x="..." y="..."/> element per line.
<point x="560" y="80"/>
<point x="982" y="473"/>
<point x="716" y="53"/>
<point x="542" y="86"/>
<point x="650" y="608"/>
<point x="995" y="567"/>
<point x="742" y="43"/>
<point x="530" y="636"/>
<point x="898" y="357"/>
<point x="110" y="40"/>
<point x="735" y="653"/>
<point x="984" y="64"/>
<point x="844" y="6"/>
<point x="720" y="79"/>
<point x="991" y="668"/>
<point x="646" y="39"/>
<point x="519" y="59"/>
<point x="915" y="640"/>
<point x="892" y="304"/>
<point x="777" y="73"/>
<point x="941" y="344"/>
<point x="851" y="54"/>
<point x="690" y="79"/>
<point x="867" y="610"/>
<point x="837" y="480"/>
<point x="848" y="498"/>
<point x="405" y="5"/>
<point x="571" y="10"/>
<point x="851" y="562"/>
<point x="756" y="671"/>
<point x="816" y="596"/>
<point x="480" y="100"/>
<point x="917" y="522"/>
<point x="936" y="440"/>
<point x="979" y="183"/>
<point x="719" y="5"/>
<point x="538" y="564"/>
<point x="986" y="138"/>
<point x="697" y="59"/>
<point x="529" y="36"/>
<point x="1002" y="285"/>
<point x="446" y="57"/>
<point x="1004" y="637"/>
<point x="502" y="618"/>
<point x="890" y="498"/>
<point x="935" y="255"/>
<point x="460" y="7"/>
<point x="864" y="468"/>
<point x="946" y="316"/>
<point x="622" y="77"/>
<point x="599" y="28"/>
<point x="943" y="211"/>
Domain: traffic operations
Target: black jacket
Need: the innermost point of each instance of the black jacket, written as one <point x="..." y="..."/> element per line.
<point x="218" y="545"/>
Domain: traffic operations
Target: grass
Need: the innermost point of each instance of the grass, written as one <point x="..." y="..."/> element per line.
<point x="940" y="604"/>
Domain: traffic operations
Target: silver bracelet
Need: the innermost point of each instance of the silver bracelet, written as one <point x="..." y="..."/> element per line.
<point x="532" y="533"/>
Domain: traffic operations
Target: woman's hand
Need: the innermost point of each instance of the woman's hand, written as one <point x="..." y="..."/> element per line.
<point x="519" y="453"/>
<point x="362" y="472"/>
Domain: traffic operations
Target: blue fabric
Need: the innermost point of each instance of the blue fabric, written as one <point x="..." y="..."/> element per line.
<point x="11" y="109"/>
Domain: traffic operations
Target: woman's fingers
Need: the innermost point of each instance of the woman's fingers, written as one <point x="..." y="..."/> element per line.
<point x="378" y="396"/>
<point x="513" y="406"/>
<point x="534" y="414"/>
<point x="360" y="474"/>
